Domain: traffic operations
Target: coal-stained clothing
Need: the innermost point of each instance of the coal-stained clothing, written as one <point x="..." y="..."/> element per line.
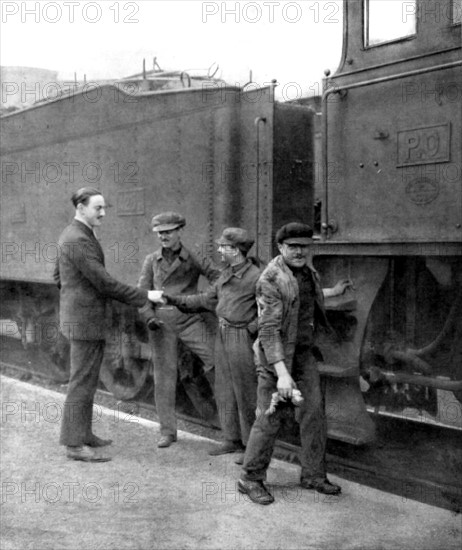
<point x="85" y="289"/>
<point x="175" y="274"/>
<point x="290" y="303"/>
<point x="310" y="416"/>
<point x="233" y="299"/>
<point x="278" y="301"/>
<point x="306" y="309"/>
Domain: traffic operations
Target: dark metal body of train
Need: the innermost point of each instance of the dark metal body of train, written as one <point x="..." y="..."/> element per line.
<point x="390" y="205"/>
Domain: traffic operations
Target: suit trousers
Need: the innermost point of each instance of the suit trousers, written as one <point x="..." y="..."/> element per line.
<point x="310" y="415"/>
<point x="86" y="359"/>
<point x="164" y="341"/>
<point x="235" y="382"/>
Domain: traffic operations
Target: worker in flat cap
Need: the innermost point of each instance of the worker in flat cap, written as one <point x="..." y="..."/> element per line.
<point x="232" y="297"/>
<point x="175" y="270"/>
<point x="290" y="305"/>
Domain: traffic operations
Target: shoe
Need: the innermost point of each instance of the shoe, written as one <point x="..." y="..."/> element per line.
<point x="166" y="440"/>
<point x="85" y="454"/>
<point x="323" y="486"/>
<point x="256" y="491"/>
<point x="96" y="441"/>
<point x="239" y="459"/>
<point x="227" y="447"/>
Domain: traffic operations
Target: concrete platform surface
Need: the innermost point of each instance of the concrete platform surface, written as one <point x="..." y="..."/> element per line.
<point x="179" y="497"/>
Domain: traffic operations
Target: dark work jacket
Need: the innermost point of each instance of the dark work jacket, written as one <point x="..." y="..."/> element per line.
<point x="232" y="297"/>
<point x="179" y="277"/>
<point x="278" y="304"/>
<point x="85" y="285"/>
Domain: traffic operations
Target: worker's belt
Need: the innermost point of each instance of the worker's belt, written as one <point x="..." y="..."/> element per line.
<point x="224" y="323"/>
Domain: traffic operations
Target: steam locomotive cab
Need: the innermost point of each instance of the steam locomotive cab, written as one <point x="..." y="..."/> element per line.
<point x="392" y="212"/>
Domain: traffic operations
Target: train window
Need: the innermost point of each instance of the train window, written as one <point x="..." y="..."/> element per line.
<point x="457" y="12"/>
<point x="387" y="21"/>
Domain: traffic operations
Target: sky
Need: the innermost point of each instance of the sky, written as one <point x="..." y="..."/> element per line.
<point x="292" y="42"/>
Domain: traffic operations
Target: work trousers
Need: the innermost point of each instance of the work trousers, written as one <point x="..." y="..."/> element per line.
<point x="164" y="341"/>
<point x="310" y="415"/>
<point x="86" y="359"/>
<point x="235" y="382"/>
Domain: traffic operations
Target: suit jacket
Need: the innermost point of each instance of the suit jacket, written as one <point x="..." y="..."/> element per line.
<point x="86" y="286"/>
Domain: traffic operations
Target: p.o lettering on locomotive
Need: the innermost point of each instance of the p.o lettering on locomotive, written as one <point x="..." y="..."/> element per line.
<point x="424" y="145"/>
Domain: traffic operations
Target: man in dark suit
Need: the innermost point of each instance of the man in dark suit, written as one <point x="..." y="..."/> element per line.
<point x="85" y="287"/>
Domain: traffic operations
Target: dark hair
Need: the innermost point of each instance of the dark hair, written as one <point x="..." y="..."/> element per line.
<point x="83" y="195"/>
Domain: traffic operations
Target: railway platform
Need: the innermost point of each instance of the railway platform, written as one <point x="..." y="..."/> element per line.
<point x="179" y="497"/>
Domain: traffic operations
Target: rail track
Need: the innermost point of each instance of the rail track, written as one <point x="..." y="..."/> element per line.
<point x="416" y="461"/>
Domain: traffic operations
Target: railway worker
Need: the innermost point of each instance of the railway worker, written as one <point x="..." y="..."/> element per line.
<point x="85" y="287"/>
<point x="290" y="303"/>
<point x="173" y="269"/>
<point x="232" y="297"/>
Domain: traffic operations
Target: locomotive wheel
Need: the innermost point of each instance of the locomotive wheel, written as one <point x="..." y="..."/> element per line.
<point x="123" y="376"/>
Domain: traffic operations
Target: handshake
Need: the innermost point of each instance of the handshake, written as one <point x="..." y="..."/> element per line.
<point x="155" y="296"/>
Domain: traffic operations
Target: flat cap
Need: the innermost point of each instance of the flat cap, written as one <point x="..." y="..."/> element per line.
<point x="166" y="221"/>
<point x="235" y="236"/>
<point x="294" y="233"/>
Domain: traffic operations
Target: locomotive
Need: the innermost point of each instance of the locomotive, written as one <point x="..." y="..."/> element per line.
<point x="387" y="210"/>
<point x="391" y="206"/>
